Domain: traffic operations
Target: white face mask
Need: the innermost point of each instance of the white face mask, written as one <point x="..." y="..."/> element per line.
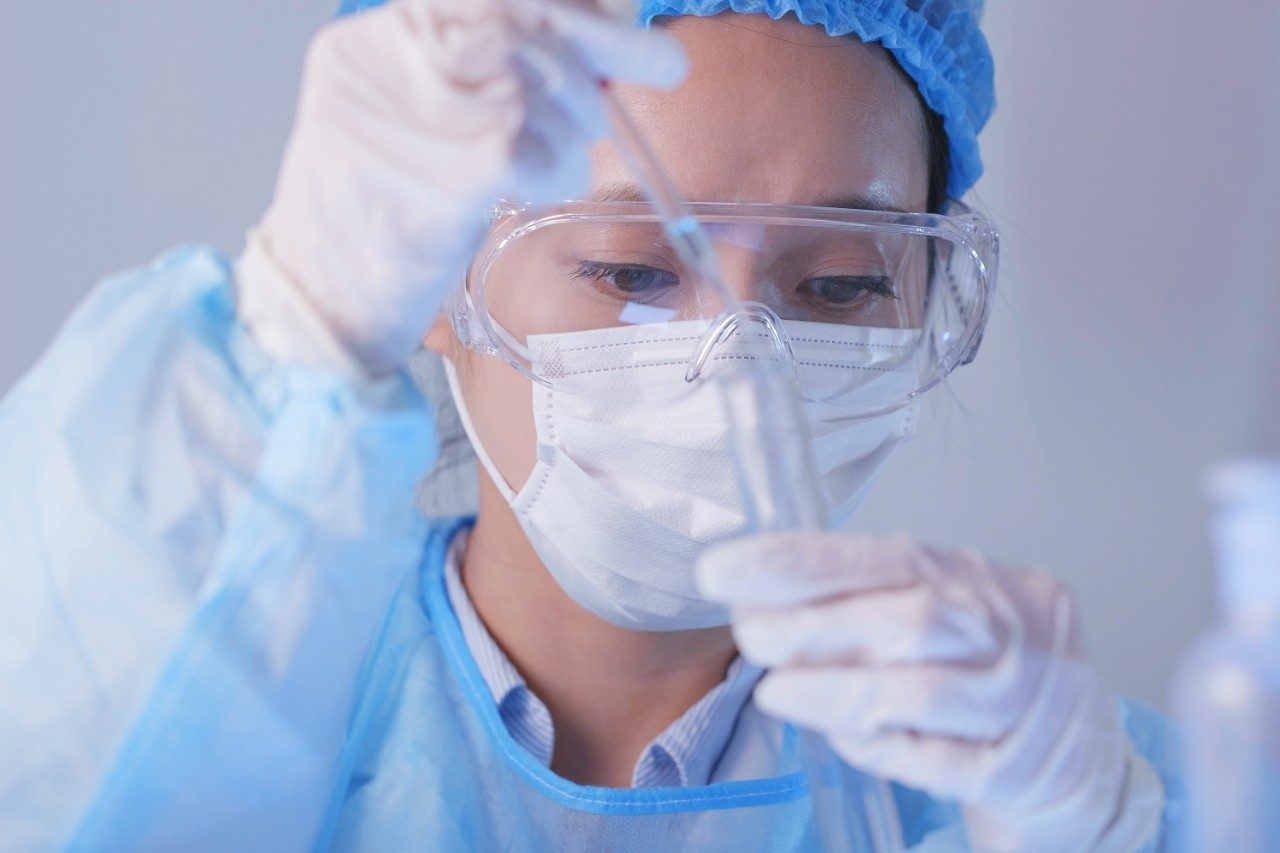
<point x="632" y="482"/>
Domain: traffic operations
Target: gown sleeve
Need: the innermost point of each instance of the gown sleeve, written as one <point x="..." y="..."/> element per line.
<point x="198" y="547"/>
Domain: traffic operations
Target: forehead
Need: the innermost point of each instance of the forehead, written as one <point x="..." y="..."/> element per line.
<point x="778" y="111"/>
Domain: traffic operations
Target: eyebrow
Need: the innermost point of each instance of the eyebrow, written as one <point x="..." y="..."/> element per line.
<point x="617" y="191"/>
<point x="622" y="191"/>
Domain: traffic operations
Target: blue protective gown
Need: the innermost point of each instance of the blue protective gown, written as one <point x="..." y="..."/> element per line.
<point x="224" y="622"/>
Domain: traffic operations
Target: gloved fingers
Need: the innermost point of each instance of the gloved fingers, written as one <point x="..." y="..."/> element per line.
<point x="549" y="158"/>
<point x="410" y="52"/>
<point x="621" y="52"/>
<point x="378" y="152"/>
<point x="915" y="624"/>
<point x="547" y="171"/>
<point x="780" y="569"/>
<point x="559" y="94"/>
<point x="373" y="75"/>
<point x="928" y="699"/>
<point x="946" y="768"/>
<point x="979" y="772"/>
<point x="468" y="41"/>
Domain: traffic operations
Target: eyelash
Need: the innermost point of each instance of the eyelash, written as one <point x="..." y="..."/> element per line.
<point x="601" y="269"/>
<point x="879" y="285"/>
<point x="597" y="270"/>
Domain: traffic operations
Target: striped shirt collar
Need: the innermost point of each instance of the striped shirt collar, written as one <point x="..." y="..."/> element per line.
<point x="685" y="753"/>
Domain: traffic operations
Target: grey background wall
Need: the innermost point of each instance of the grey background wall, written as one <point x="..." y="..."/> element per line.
<point x="1134" y="167"/>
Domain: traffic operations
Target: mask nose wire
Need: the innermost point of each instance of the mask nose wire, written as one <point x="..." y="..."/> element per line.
<point x="733" y="321"/>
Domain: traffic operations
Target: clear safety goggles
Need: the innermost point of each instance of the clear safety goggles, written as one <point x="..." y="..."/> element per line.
<point x="874" y="308"/>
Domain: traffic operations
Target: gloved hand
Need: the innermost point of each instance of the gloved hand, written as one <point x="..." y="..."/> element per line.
<point x="413" y="119"/>
<point x="944" y="672"/>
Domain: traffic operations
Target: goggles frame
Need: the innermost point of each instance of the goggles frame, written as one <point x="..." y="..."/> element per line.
<point x="972" y="232"/>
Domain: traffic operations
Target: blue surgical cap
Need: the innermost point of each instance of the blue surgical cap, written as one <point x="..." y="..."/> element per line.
<point x="937" y="42"/>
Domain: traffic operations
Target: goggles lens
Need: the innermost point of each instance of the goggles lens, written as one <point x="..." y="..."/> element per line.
<point x="867" y="292"/>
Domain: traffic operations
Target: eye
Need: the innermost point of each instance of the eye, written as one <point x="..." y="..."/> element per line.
<point x="631" y="280"/>
<point x="846" y="290"/>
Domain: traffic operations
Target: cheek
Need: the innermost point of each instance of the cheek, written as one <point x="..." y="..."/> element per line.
<point x="500" y="402"/>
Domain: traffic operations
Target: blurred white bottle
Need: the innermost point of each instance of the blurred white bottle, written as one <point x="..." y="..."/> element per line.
<point x="1227" y="693"/>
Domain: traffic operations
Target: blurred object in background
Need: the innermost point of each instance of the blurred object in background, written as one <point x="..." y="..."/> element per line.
<point x="1228" y="691"/>
<point x="130" y="128"/>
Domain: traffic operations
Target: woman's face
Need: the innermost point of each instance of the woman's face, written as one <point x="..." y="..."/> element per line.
<point x="772" y="111"/>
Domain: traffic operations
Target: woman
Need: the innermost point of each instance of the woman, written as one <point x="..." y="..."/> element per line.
<point x="236" y="629"/>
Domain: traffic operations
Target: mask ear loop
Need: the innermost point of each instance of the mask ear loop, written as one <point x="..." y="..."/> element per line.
<point x="730" y="322"/>
<point x="510" y="341"/>
<point x="508" y="493"/>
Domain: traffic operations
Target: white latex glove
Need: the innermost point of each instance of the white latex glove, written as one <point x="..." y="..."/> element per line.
<point x="944" y="672"/>
<point x="413" y="119"/>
